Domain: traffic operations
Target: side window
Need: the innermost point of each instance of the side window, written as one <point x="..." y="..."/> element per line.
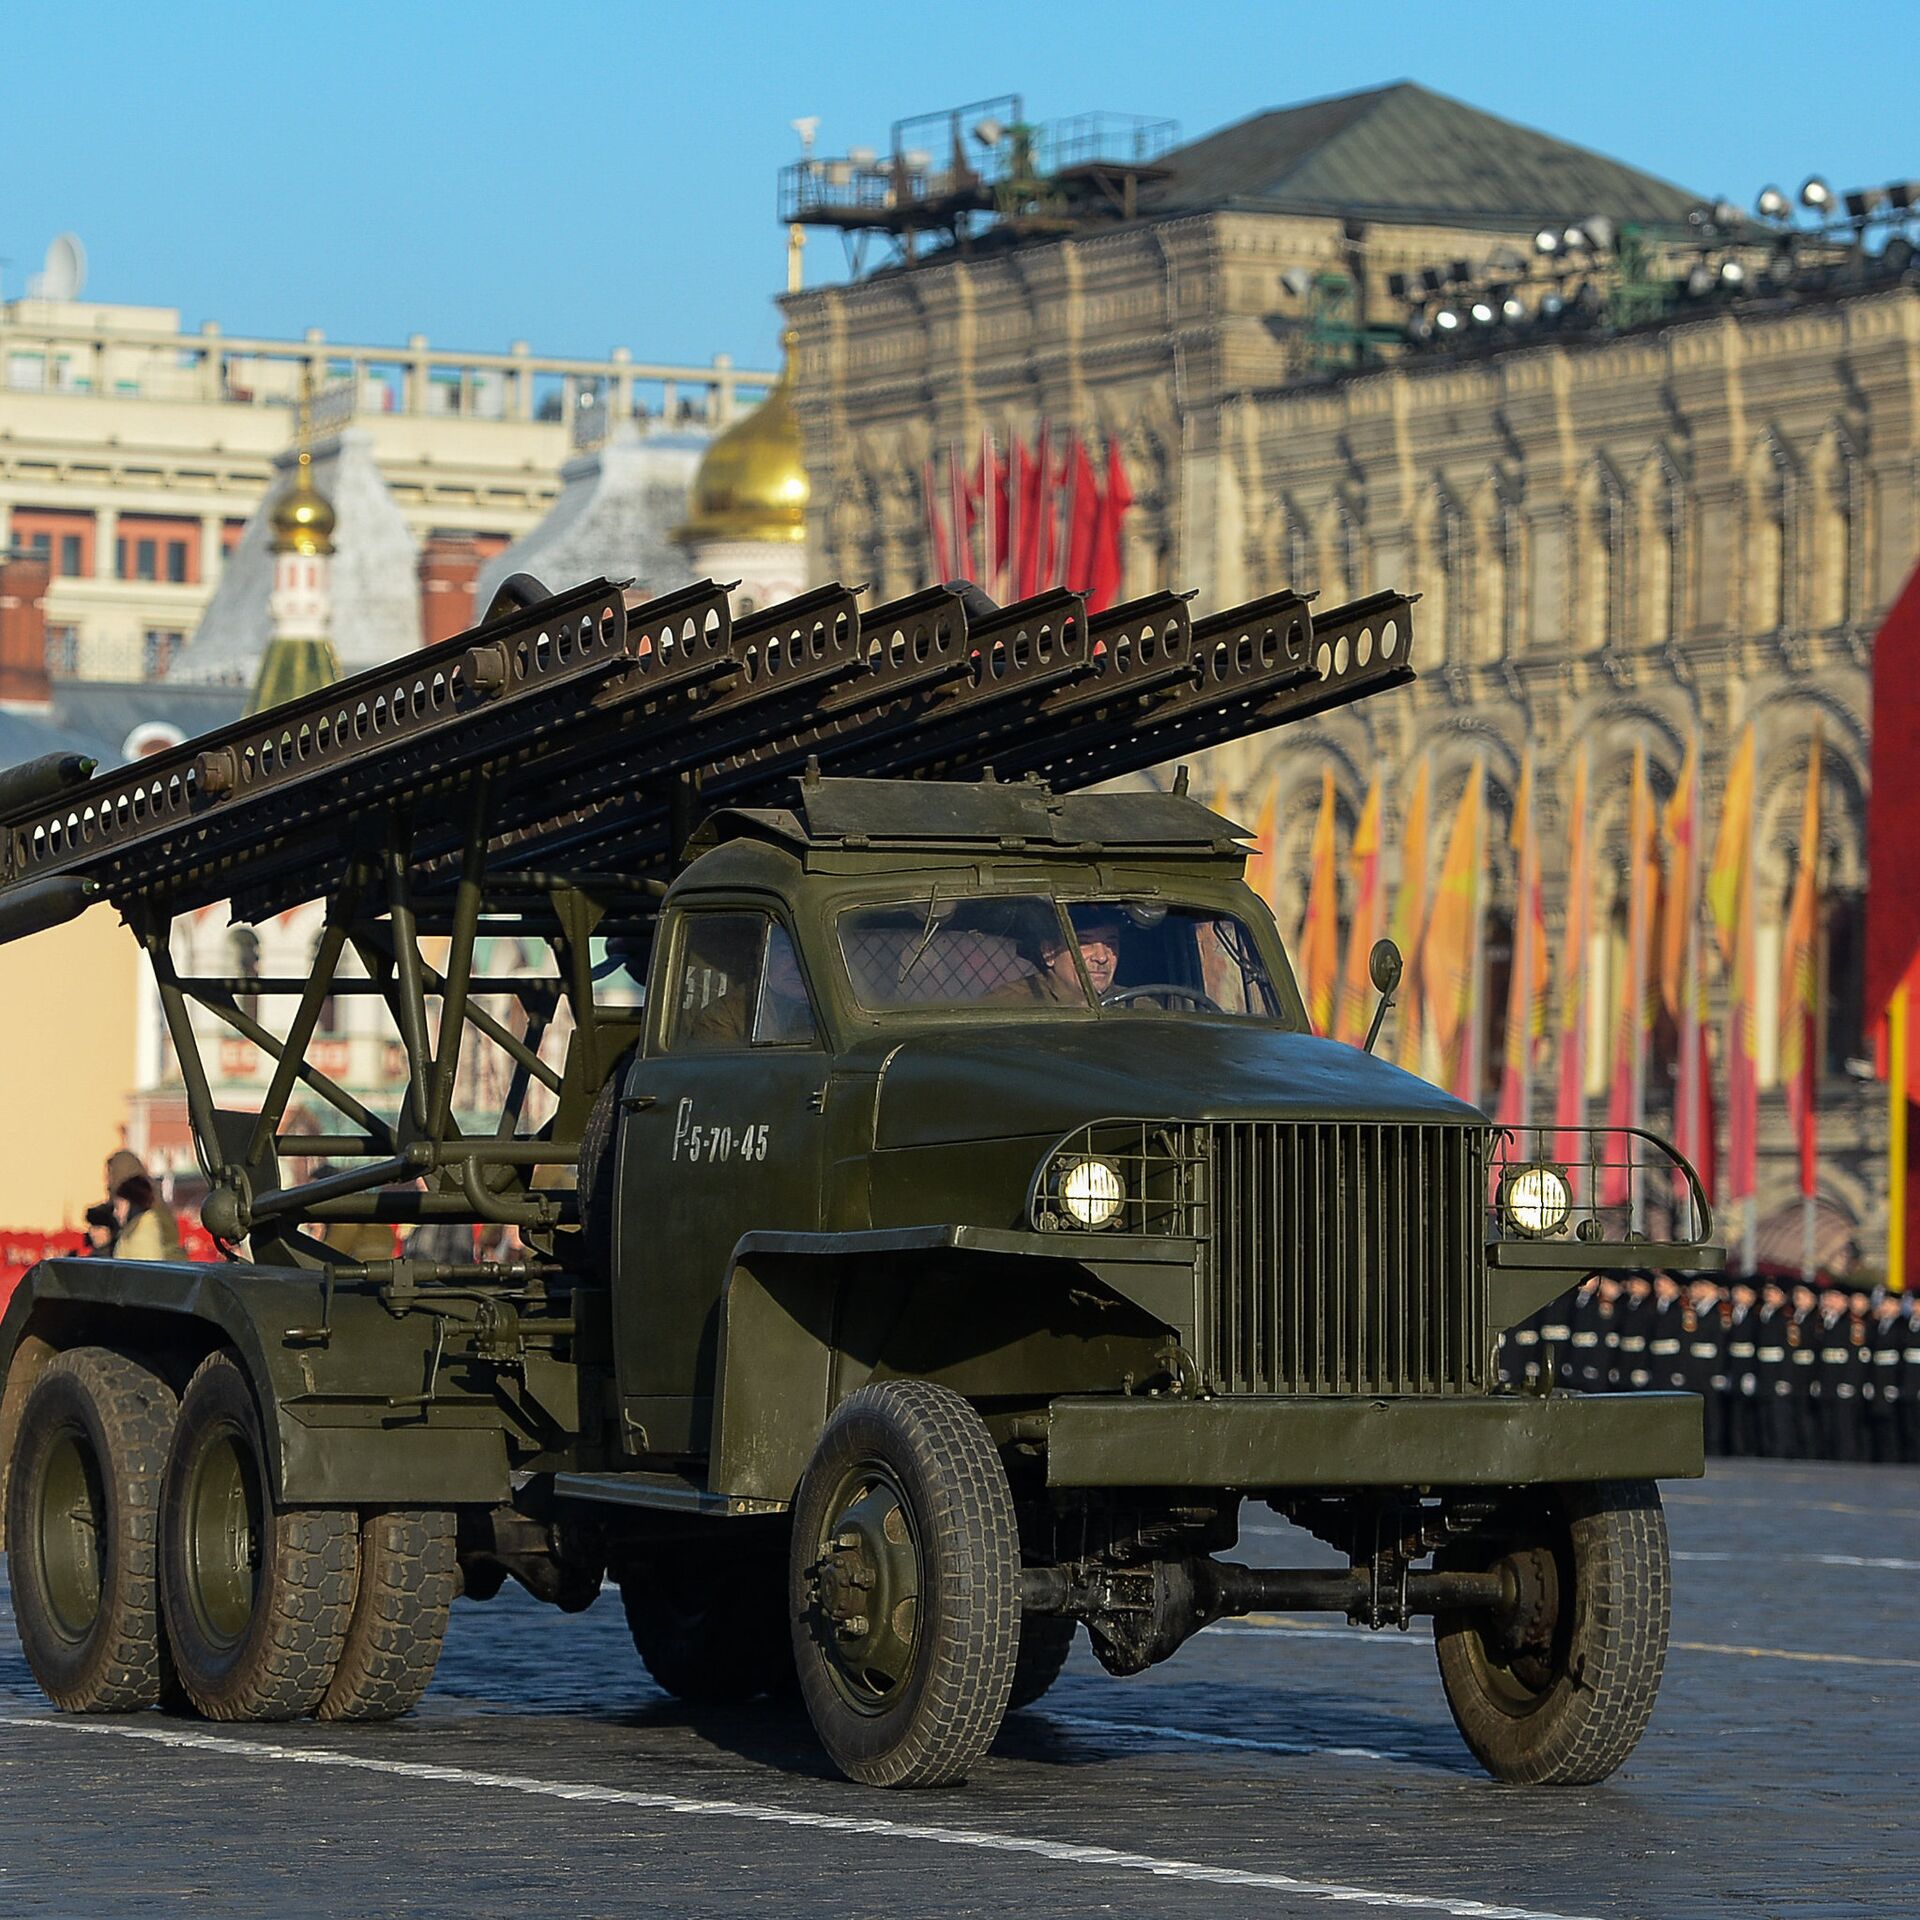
<point x="736" y="984"/>
<point x="784" y="1017"/>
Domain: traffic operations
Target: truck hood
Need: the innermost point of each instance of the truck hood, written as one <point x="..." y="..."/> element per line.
<point x="989" y="1082"/>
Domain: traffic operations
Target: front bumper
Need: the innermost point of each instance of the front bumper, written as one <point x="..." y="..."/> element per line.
<point x="1253" y="1444"/>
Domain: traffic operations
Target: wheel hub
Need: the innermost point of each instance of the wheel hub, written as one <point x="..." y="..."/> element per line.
<point x="866" y="1587"/>
<point x="223" y="1512"/>
<point x="72" y="1513"/>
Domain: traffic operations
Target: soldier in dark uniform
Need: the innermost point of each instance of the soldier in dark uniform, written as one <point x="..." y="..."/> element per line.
<point x="1909" y="1422"/>
<point x="1803" y="1350"/>
<point x="1612" y="1311"/>
<point x="1739" y="1318"/>
<point x="1556" y="1331"/>
<point x="1860" y="1339"/>
<point x="1888" y="1335"/>
<point x="1636" y="1326"/>
<point x="1835" y="1378"/>
<point x="1703" y="1356"/>
<point x="1585" y="1363"/>
<point x="1667" y="1336"/>
<point x="1774" y="1370"/>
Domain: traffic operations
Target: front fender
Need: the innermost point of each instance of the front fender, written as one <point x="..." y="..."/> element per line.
<point x="332" y="1432"/>
<point x="806" y="1318"/>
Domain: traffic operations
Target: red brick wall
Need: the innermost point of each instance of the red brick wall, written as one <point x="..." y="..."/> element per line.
<point x="23" y="628"/>
<point x="449" y="565"/>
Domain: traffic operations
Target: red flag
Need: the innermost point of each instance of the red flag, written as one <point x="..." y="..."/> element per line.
<point x="1633" y="1008"/>
<point x="1053" y="543"/>
<point x="1570" y="1102"/>
<point x="1036" y="528"/>
<point x="1800" y="986"/>
<point x="1083" y="517"/>
<point x="961" y="501"/>
<point x="1109" y="562"/>
<point x="991" y="486"/>
<point x="1026" y="489"/>
<point x="937" y="541"/>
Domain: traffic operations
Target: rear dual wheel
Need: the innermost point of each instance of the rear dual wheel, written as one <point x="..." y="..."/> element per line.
<point x="83" y="1498"/>
<point x="272" y="1612"/>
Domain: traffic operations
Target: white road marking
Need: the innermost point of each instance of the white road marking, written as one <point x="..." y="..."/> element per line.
<point x="1288" y="1630"/>
<point x="1240" y="1742"/>
<point x="1066" y="1852"/>
<point x="1884" y="1563"/>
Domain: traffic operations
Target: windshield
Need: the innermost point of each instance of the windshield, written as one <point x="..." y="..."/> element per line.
<point x="1016" y="953"/>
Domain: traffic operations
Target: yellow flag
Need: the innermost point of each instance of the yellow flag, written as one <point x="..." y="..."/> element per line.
<point x="1355" y="1012"/>
<point x="1410" y="921"/>
<point x="1450" y="952"/>
<point x="1319" y="931"/>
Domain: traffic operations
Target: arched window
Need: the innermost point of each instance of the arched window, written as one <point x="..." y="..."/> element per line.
<point x="1440" y="570"/>
<point x="1769" y="504"/>
<point x="1834" y="535"/>
<point x="1493" y="569"/>
<point x="1657" y="538"/>
<point x="1601" y="535"/>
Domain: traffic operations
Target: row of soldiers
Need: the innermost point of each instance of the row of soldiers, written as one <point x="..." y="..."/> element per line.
<point x="1788" y="1369"/>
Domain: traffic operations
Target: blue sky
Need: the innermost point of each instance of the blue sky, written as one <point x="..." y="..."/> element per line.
<point x="581" y="176"/>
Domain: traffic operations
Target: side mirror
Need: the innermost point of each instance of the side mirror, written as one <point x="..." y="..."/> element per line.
<point x="1384" y="964"/>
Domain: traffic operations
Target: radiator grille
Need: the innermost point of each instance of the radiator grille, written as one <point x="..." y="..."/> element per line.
<point x="1345" y="1258"/>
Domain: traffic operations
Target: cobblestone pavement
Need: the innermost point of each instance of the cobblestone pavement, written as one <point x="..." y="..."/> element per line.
<point x="1278" y="1767"/>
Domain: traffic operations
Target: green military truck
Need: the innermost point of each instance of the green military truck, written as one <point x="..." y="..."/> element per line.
<point x="933" y="1219"/>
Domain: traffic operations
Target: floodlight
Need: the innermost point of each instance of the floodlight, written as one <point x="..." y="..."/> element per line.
<point x="989" y="132"/>
<point x="1732" y="274"/>
<point x="1482" y="311"/>
<point x="1447" y="321"/>
<point x="1547" y="240"/>
<point x="1816" y="194"/>
<point x="1773" y="205"/>
<point x="1600" y="230"/>
<point x="1297" y="280"/>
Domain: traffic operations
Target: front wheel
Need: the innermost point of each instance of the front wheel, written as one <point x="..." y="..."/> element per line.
<point x="257" y="1597"/>
<point x="1557" y="1688"/>
<point x="905" y="1586"/>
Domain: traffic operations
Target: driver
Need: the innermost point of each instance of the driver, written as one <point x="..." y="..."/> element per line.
<point x="1097" y="928"/>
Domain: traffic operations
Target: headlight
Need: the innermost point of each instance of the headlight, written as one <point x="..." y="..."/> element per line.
<point x="1536" y="1201"/>
<point x="1091" y="1192"/>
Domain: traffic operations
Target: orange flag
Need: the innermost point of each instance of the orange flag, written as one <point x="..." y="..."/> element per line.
<point x="1730" y="903"/>
<point x="1527" y="982"/>
<point x="1682" y="980"/>
<point x="1633" y="1006"/>
<point x="1570" y="1100"/>
<point x="1450" y="956"/>
<point x="1320" y="930"/>
<point x="1355" y="1013"/>
<point x="1410" y="921"/>
<point x="1261" y="869"/>
<point x="1800" y="984"/>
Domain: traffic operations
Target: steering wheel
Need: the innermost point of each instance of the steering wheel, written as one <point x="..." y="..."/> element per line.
<point x="1192" y="996"/>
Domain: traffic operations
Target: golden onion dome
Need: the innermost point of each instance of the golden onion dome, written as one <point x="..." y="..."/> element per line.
<point x="751" y="484"/>
<point x="302" y="521"/>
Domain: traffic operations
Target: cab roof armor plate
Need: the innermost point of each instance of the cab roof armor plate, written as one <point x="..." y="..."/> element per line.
<point x="993" y="815"/>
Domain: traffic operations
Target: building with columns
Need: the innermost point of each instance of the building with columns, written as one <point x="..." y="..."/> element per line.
<point x="134" y="448"/>
<point x="1624" y="537"/>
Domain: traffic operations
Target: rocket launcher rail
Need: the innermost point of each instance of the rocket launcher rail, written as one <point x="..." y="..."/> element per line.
<point x="604" y="725"/>
<point x="540" y="776"/>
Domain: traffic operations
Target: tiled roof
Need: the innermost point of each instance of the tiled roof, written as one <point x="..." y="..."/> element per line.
<point x="1404" y="152"/>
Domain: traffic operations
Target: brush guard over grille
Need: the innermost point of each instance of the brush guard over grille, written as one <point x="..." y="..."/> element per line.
<point x="1342" y="1257"/>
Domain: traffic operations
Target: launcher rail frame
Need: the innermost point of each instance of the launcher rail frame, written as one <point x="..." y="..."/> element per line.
<point x="542" y="774"/>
